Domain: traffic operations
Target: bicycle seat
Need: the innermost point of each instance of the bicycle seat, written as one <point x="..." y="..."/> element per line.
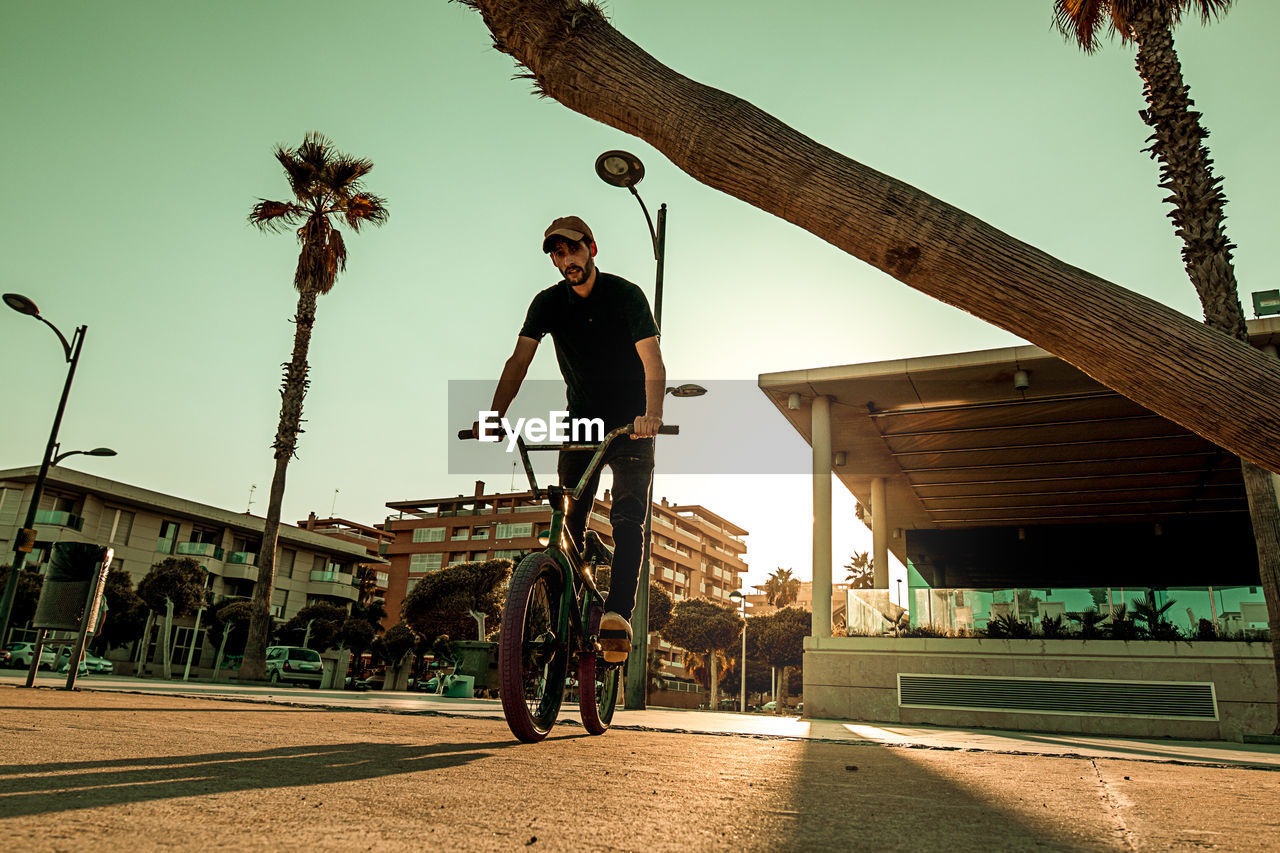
<point x="595" y="551"/>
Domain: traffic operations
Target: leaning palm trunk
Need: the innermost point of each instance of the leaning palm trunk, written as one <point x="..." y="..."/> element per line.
<point x="1198" y="218"/>
<point x="1215" y="386"/>
<point x="168" y="636"/>
<point x="254" y="666"/>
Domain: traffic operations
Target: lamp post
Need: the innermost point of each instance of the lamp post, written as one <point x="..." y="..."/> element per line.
<point x="26" y="537"/>
<point x="741" y="597"/>
<point x="621" y="169"/>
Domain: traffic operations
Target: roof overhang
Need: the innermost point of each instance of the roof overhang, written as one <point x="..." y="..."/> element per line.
<point x="960" y="447"/>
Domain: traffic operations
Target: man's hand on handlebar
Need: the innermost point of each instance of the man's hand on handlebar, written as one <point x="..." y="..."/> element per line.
<point x="645" y="426"/>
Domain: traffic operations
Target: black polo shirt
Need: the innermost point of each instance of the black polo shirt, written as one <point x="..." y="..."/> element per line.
<point x="595" y="340"/>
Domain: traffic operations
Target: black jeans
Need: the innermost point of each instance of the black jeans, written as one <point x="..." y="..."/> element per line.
<point x="631" y="462"/>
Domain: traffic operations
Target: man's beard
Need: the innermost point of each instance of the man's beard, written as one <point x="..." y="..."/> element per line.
<point x="575" y="274"/>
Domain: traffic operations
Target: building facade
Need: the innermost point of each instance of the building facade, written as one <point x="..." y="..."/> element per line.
<point x="694" y="552"/>
<point x="145" y="527"/>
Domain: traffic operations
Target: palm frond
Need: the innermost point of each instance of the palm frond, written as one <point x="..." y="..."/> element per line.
<point x="366" y="208"/>
<point x="1082" y="20"/>
<point x="275" y="215"/>
<point x="342" y="173"/>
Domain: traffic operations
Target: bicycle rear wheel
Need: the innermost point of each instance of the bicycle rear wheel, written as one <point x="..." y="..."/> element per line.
<point x="597" y="692"/>
<point x="532" y="659"/>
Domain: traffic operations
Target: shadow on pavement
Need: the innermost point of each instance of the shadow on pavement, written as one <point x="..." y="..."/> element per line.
<point x="859" y="796"/>
<point x="32" y="789"/>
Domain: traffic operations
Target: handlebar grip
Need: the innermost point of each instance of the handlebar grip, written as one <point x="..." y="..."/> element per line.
<point x="668" y="430"/>
<point x="465" y="434"/>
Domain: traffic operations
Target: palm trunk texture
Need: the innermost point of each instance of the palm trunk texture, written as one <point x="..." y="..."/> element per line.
<point x="1186" y="171"/>
<point x="1218" y="387"/>
<point x="292" y="392"/>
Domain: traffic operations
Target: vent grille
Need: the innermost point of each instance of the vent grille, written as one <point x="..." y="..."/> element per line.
<point x="1161" y="699"/>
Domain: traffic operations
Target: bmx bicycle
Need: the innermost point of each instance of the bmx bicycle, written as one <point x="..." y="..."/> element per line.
<point x="552" y="614"/>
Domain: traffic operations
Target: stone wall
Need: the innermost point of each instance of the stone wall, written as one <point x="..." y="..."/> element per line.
<point x="856" y="678"/>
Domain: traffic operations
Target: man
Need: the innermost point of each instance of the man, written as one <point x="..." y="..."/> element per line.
<point x="606" y="342"/>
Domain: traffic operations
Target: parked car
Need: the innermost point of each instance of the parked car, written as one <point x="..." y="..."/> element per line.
<point x="21" y="653"/>
<point x="295" y="665"/>
<point x="6" y="657"/>
<point x="769" y="707"/>
<point x="91" y="664"/>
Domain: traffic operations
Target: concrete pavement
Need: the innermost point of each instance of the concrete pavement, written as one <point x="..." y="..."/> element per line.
<point x="113" y="770"/>
<point x="1209" y="753"/>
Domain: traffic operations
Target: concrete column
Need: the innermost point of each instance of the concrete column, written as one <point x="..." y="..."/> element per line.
<point x="821" y="422"/>
<point x="880" y="532"/>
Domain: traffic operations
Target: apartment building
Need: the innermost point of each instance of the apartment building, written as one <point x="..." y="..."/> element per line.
<point x="758" y="601"/>
<point x="371" y="578"/>
<point x="694" y="551"/>
<point x="144" y="527"/>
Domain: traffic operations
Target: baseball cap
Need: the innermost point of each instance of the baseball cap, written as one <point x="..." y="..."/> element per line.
<point x="568" y="227"/>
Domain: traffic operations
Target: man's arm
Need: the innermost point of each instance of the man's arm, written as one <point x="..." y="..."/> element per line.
<point x="513" y="373"/>
<point x="655" y="388"/>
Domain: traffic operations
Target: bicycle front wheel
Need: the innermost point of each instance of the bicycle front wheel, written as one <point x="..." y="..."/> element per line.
<point x="532" y="658"/>
<point x="597" y="692"/>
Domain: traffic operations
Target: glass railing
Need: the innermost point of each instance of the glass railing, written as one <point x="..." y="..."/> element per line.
<point x="200" y="549"/>
<point x="165" y="546"/>
<point x="247" y="558"/>
<point x="1233" y="612"/>
<point x="331" y="577"/>
<point x="60" y="519"/>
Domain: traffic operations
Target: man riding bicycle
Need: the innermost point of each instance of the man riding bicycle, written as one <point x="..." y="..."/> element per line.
<point x="606" y="343"/>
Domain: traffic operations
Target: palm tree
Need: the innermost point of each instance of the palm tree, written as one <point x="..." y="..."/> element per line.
<point x="326" y="184"/>
<point x="861" y="568"/>
<point x="1186" y="170"/>
<point x="1146" y="351"/>
<point x="781" y="588"/>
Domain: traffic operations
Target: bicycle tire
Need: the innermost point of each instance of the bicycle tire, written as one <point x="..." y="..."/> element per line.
<point x="598" y="701"/>
<point x="532" y="661"/>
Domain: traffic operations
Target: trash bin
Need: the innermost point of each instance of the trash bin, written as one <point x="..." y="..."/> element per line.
<point x="478" y="659"/>
<point x="460" y="687"/>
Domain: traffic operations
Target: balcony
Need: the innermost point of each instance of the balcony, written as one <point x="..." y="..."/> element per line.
<point x="200" y="549"/>
<point x="247" y="558"/>
<point x="164" y="545"/>
<point x="334" y="584"/>
<point x="60" y="519"/>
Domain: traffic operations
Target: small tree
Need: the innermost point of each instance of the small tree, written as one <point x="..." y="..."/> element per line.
<point x="861" y="568"/>
<point x="701" y="627"/>
<point x="28" y="594"/>
<point x="357" y="635"/>
<point x="325" y="621"/>
<point x="175" y="587"/>
<point x="781" y="588"/>
<point x="393" y="647"/>
<point x="660" y="605"/>
<point x="780" y="642"/>
<point x="230" y="624"/>
<point x="456" y="599"/>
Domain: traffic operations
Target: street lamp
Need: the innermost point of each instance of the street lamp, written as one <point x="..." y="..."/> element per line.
<point x="622" y="169"/>
<point x="26" y="537"/>
<point x="741" y="597"/>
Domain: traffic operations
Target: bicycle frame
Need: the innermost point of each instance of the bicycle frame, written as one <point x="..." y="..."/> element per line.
<point x="578" y="580"/>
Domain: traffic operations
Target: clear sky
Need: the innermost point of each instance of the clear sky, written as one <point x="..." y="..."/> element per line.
<point x="136" y="136"/>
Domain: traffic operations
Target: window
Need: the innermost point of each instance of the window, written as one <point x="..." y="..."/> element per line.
<point x="319" y="564"/>
<point x="116" y="526"/>
<point x="480" y="533"/>
<point x="514" y="531"/>
<point x="457" y="557"/>
<point x="168" y="539"/>
<point x="428" y="534"/>
<point x="9" y="499"/>
<point x="479" y="556"/>
<point x="425" y="562"/>
<point x="460" y="533"/>
<point x="508" y="554"/>
<point x="284" y="564"/>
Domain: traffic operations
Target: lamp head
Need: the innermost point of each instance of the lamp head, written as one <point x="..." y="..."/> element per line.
<point x="687" y="390"/>
<point x="100" y="451"/>
<point x="737" y="595"/>
<point x="619" y="168"/>
<point x="21" y="304"/>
